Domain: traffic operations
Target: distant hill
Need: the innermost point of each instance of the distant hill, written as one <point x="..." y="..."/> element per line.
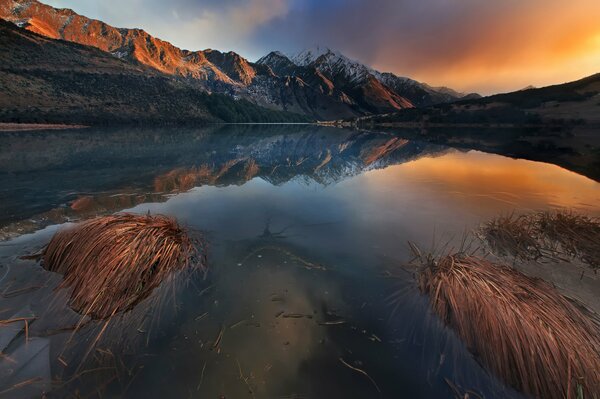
<point x="568" y="104"/>
<point x="558" y="124"/>
<point x="320" y="83"/>
<point x="48" y="80"/>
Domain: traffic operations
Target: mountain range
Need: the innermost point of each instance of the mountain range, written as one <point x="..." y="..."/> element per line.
<point x="572" y="104"/>
<point x="44" y="80"/>
<point x="320" y="83"/>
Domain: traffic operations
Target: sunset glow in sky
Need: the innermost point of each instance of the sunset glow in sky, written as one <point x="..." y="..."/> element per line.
<point x="470" y="45"/>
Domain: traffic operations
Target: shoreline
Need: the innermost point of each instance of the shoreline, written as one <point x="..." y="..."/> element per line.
<point x="22" y="127"/>
<point x="366" y="124"/>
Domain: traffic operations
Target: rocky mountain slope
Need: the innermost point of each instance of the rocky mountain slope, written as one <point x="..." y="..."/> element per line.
<point x="47" y="80"/>
<point x="336" y="64"/>
<point x="322" y="84"/>
<point x="569" y="104"/>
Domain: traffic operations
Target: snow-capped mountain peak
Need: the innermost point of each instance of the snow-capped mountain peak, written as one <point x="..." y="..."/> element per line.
<point x="309" y="55"/>
<point x="332" y="61"/>
<point x="319" y="81"/>
<point x="273" y="56"/>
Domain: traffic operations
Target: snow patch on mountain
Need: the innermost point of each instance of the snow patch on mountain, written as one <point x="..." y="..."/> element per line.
<point x="333" y="62"/>
<point x="18" y="7"/>
<point x="390" y="79"/>
<point x="308" y="56"/>
<point x="273" y="57"/>
<point x="120" y="54"/>
<point x="21" y="23"/>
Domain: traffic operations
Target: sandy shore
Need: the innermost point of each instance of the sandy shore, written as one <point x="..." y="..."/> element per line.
<point x="15" y="127"/>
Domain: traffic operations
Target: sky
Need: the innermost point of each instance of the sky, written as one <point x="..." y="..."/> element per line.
<point x="486" y="46"/>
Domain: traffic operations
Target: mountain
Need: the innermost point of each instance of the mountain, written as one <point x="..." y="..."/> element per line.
<point x="47" y="80"/>
<point x="421" y="94"/>
<point x="558" y="124"/>
<point x="322" y="84"/>
<point x="407" y="92"/>
<point x="569" y="104"/>
<point x="336" y="78"/>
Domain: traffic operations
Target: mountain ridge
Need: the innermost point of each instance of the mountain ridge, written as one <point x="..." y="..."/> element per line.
<point x="575" y="103"/>
<point x="403" y="92"/>
<point x="47" y="80"/>
<point x="323" y="89"/>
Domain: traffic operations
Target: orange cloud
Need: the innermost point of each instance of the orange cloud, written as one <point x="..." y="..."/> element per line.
<point x="501" y="49"/>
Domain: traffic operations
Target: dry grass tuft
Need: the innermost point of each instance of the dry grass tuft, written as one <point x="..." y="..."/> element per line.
<point x="512" y="235"/>
<point x="518" y="327"/>
<point x="545" y="234"/>
<point x="576" y="235"/>
<point x="112" y="263"/>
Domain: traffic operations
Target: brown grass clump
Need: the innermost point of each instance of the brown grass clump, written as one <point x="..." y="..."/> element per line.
<point x="518" y="327"/>
<point x="576" y="235"/>
<point x="112" y="263"/>
<point x="514" y="235"/>
<point x="545" y="234"/>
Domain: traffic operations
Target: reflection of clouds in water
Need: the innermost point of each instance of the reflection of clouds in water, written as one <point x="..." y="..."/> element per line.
<point x="348" y="226"/>
<point x="493" y="182"/>
<point x="269" y="309"/>
<point x="376" y="212"/>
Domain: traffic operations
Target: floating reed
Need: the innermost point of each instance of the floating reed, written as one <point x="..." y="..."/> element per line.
<point x="519" y="328"/>
<point x="550" y="234"/>
<point x="112" y="263"/>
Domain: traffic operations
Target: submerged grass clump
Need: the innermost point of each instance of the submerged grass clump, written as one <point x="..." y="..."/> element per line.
<point x="514" y="235"/>
<point x="576" y="235"/>
<point x="519" y="328"/>
<point x="112" y="263"/>
<point x="545" y="234"/>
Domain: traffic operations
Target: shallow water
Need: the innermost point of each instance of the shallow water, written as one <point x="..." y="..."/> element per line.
<point x="308" y="230"/>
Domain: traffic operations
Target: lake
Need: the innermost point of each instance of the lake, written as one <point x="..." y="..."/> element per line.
<point x="309" y="291"/>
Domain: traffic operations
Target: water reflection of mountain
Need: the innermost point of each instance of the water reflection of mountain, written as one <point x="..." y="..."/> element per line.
<point x="63" y="174"/>
<point x="573" y="148"/>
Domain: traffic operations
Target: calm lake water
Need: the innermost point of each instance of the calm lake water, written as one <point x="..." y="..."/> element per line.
<point x="307" y="230"/>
